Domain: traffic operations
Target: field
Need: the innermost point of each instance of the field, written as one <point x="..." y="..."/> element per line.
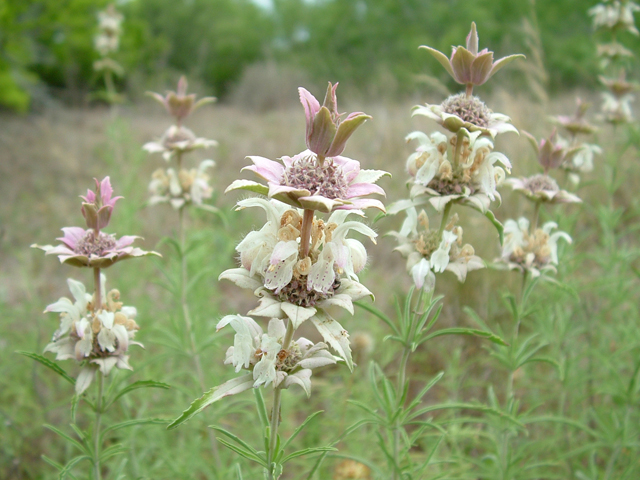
<point x="572" y="413"/>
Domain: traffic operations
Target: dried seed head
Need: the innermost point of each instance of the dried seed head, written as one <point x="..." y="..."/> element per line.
<point x="540" y="183"/>
<point x="92" y="245"/>
<point x="296" y="292"/>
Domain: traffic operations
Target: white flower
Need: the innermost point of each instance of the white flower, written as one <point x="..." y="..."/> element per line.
<point x="181" y="188"/>
<point x="176" y="141"/>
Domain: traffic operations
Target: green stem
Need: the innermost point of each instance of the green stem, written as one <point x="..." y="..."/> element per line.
<point x="445" y="218"/>
<point x="469" y="90"/>
<point x="457" y="152"/>
<point x="96" y="431"/>
<point x="275" y="412"/>
<point x="189" y="325"/>
<point x="534" y="220"/>
<point x="305" y="233"/>
<point x="96" y="281"/>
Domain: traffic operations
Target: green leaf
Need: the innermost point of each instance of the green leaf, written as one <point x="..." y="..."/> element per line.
<point x="231" y="387"/>
<point x="492" y="337"/>
<point x="112" y="451"/>
<point x="137" y="385"/>
<point x="371" y="309"/>
<point x="496" y="223"/>
<point x="261" y="407"/>
<point x="238" y="472"/>
<point x="134" y="422"/>
<point x="300" y="428"/>
<point x="238" y="440"/>
<point x="307" y="451"/>
<point x="67" y="468"/>
<point x="49" y="364"/>
<point x="71" y="440"/>
<point x="242" y="452"/>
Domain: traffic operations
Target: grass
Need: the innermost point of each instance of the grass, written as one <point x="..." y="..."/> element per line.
<point x="578" y="405"/>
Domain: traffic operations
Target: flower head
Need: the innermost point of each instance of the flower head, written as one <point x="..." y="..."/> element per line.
<point x="468" y="112"/>
<point x="615" y="16"/>
<point x="178" y="104"/>
<point x="541" y="188"/>
<point x="263" y="355"/>
<point x="93" y="334"/>
<point x="577" y="123"/>
<point x="304" y="182"/>
<point x="181" y="188"/>
<point x="176" y="141"/>
<point x="617" y="109"/>
<point x="468" y="66"/>
<point x="327" y="132"/>
<point x="428" y="251"/>
<point x="534" y="252"/>
<point x="107" y="40"/>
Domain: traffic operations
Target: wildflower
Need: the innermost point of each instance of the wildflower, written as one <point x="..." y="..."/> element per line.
<point x="351" y="470"/>
<point x="178" y="104"/>
<point x="94" y="335"/>
<point x="430" y="251"/>
<point x="109" y="25"/>
<point x="181" y="188"/>
<point x="468" y="112"/>
<point x="301" y="288"/>
<point x="534" y="252"/>
<point x="612" y="54"/>
<point x="615" y="16"/>
<point x="470" y="176"/>
<point x="617" y="109"/>
<point x="327" y="133"/>
<point x="92" y="247"/>
<point x="577" y="123"/>
<point x="176" y="141"/>
<point x="303" y="182"/>
<point x="580" y="159"/>
<point x="541" y="188"/>
<point x="468" y="66"/>
<point x="263" y="354"/>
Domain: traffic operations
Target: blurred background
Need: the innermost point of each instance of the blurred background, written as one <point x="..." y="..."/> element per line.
<point x="253" y="50"/>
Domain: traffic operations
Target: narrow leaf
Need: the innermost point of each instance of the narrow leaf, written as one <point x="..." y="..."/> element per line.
<point x="49" y="364"/>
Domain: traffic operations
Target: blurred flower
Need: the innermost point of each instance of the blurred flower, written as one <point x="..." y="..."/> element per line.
<point x="470" y="179"/>
<point x="468" y="66"/>
<point x="612" y="54"/>
<point x="577" y="123"/>
<point x="93" y="335"/>
<point x="617" y="109"/>
<point x="535" y="252"/>
<point x="176" y="141"/>
<point x="615" y="15"/>
<point x="182" y="188"/>
<point x="178" y="104"/>
<point x="428" y="251"/>
<point x="107" y="40"/>
<point x="327" y="133"/>
<point x="263" y="354"/>
<point x="351" y="470"/>
<point x="468" y="112"/>
<point x="619" y="87"/>
<point x="304" y="182"/>
<point x="580" y="159"/>
<point x="541" y="188"/>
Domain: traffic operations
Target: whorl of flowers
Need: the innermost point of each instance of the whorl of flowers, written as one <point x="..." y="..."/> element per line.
<point x="176" y="141"/>
<point x="182" y="187"/>
<point x="533" y="252"/>
<point x="94" y="335"/>
<point x="429" y="251"/>
<point x="460" y="169"/>
<point x="577" y="123"/>
<point x="615" y="15"/>
<point x="178" y="104"/>
<point x="300" y="287"/>
<point x="92" y="247"/>
<point x="318" y="178"/>
<point x="109" y="30"/>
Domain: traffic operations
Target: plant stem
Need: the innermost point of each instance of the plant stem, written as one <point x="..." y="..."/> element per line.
<point x="534" y="220"/>
<point x="96" y="281"/>
<point x="275" y="412"/>
<point x="189" y="325"/>
<point x="469" y="89"/>
<point x="445" y="217"/>
<point x="305" y="233"/>
<point x="96" y="430"/>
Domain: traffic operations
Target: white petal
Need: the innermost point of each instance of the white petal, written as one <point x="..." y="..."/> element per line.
<point x="296" y="313"/>
<point x="334" y="335"/>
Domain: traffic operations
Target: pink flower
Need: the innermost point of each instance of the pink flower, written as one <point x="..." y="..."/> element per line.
<point x="98" y="206"/>
<point x="468" y="66"/>
<point x="327" y="134"/>
<point x="179" y="104"/>
<point x="88" y="248"/>
<point x="303" y="182"/>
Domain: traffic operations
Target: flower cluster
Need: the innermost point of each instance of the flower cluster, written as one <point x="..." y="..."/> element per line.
<point x="180" y="186"/>
<point x="298" y="264"/>
<point x="93" y="334"/>
<point x="460" y="167"/>
<point x="96" y="330"/>
<point x="534" y="251"/>
<point x="107" y="41"/>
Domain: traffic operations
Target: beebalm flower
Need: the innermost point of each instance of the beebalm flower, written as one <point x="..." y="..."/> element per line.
<point x="178" y="104"/>
<point x="181" y="188"/>
<point x="92" y="247"/>
<point x="472" y="180"/>
<point x="534" y="252"/>
<point x="468" y="66"/>
<point x="176" y="141"/>
<point x="577" y="123"/>
<point x="468" y="112"/>
<point x="93" y="336"/>
<point x="617" y="109"/>
<point x="263" y="355"/>
<point x="298" y="288"/>
<point x="612" y="54"/>
<point x="429" y="252"/>
<point x="327" y="133"/>
<point x="109" y="25"/>
<point x="580" y="159"/>
<point x="615" y="16"/>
